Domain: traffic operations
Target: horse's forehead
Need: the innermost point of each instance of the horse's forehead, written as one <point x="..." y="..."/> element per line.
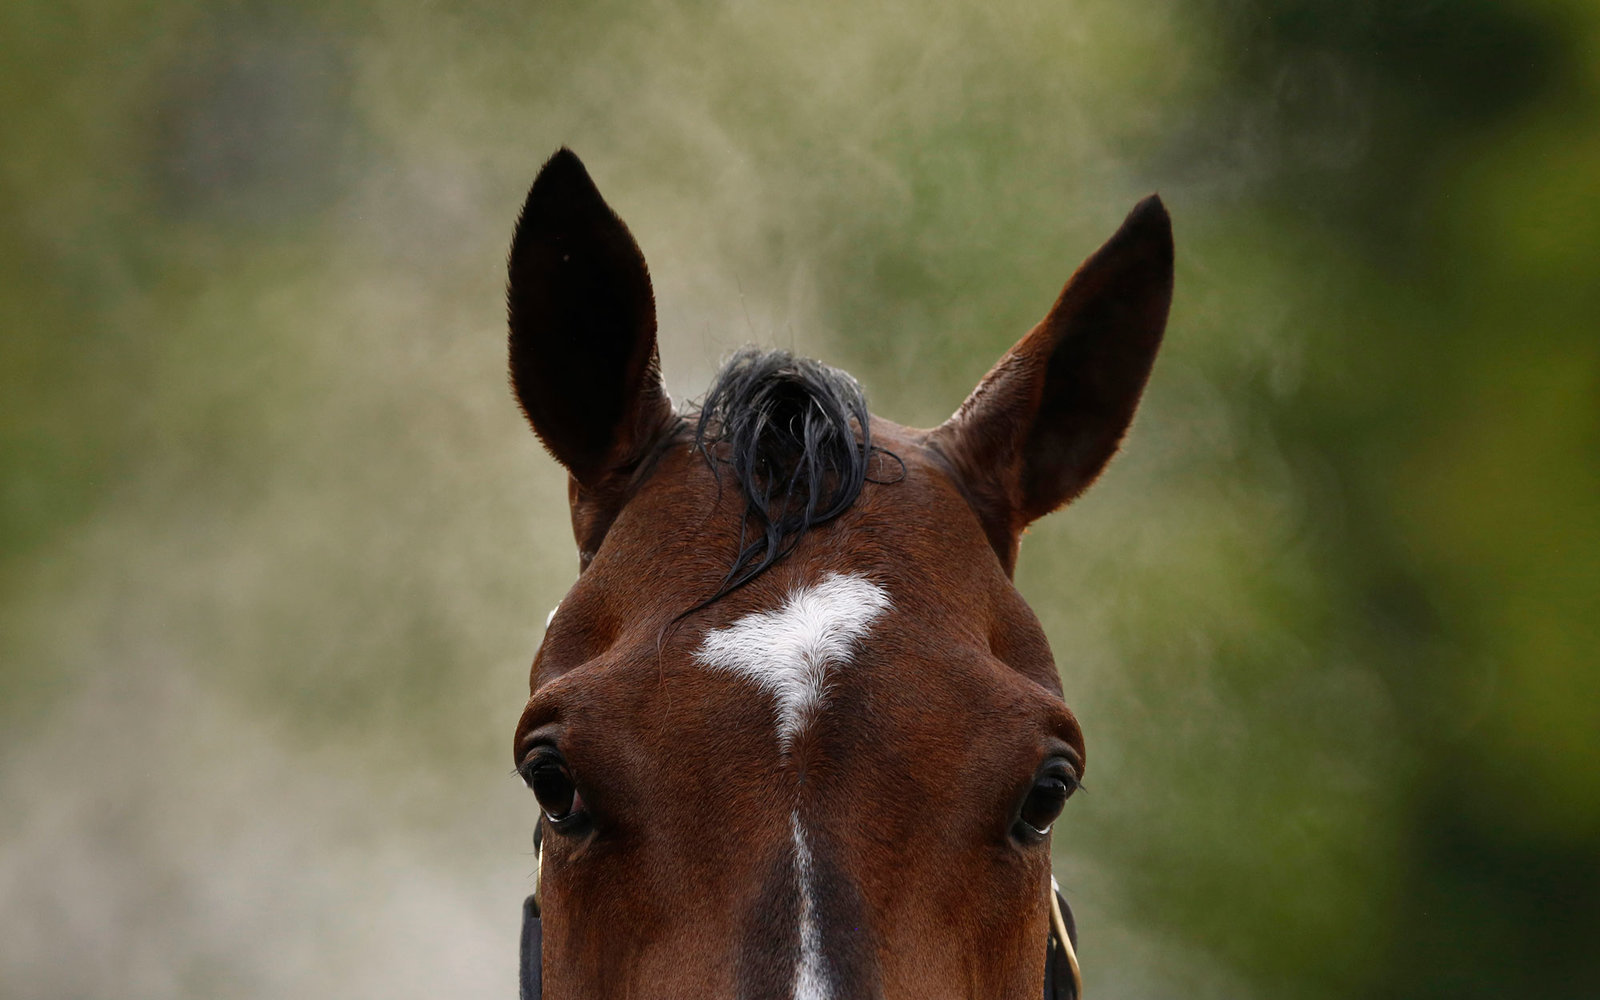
<point x="789" y="652"/>
<point x="796" y="667"/>
<point x="905" y="574"/>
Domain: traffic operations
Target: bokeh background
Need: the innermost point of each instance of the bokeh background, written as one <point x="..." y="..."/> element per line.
<point x="276" y="547"/>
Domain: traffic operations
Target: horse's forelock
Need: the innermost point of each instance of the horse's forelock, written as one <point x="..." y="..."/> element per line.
<point x="796" y="436"/>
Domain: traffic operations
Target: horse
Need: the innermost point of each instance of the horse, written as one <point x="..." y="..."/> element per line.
<point x="793" y="732"/>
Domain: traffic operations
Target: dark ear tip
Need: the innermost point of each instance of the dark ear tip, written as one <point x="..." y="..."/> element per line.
<point x="563" y="161"/>
<point x="563" y="200"/>
<point x="1150" y="203"/>
<point x="1149" y="219"/>
<point x="563" y="185"/>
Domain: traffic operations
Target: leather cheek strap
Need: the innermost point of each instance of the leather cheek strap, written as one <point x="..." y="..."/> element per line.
<point x="532" y="939"/>
<point x="1062" y="980"/>
<point x="532" y="974"/>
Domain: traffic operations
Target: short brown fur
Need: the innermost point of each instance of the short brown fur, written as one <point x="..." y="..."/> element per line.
<point x="910" y="779"/>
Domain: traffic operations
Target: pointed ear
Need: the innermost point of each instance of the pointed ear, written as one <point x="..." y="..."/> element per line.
<point x="583" y="341"/>
<point x="1043" y="423"/>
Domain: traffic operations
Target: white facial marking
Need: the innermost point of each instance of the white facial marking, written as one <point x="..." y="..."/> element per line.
<point x="787" y="652"/>
<point x="809" y="982"/>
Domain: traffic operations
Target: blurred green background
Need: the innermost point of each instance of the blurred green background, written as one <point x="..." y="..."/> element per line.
<point x="276" y="548"/>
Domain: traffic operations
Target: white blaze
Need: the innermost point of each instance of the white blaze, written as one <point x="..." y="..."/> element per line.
<point x="809" y="982"/>
<point x="787" y="652"/>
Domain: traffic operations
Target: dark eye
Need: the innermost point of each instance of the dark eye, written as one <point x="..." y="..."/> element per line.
<point x="552" y="785"/>
<point x="1044" y="801"/>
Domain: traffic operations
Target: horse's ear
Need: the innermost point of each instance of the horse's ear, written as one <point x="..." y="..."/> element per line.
<point x="583" y="341"/>
<point x="1048" y="417"/>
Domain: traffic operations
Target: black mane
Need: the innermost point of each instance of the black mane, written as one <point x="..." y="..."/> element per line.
<point x="796" y="435"/>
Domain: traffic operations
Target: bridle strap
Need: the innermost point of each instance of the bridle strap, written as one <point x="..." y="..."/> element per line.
<point x="532" y="975"/>
<point x="1062" y="978"/>
<point x="532" y="986"/>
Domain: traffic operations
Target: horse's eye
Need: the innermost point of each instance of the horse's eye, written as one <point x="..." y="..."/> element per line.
<point x="552" y="786"/>
<point x="1039" y="810"/>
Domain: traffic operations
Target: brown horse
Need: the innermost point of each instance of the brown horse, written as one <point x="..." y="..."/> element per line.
<point x="793" y="732"/>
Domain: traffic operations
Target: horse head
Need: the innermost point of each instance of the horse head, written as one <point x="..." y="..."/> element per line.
<point x="793" y="732"/>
